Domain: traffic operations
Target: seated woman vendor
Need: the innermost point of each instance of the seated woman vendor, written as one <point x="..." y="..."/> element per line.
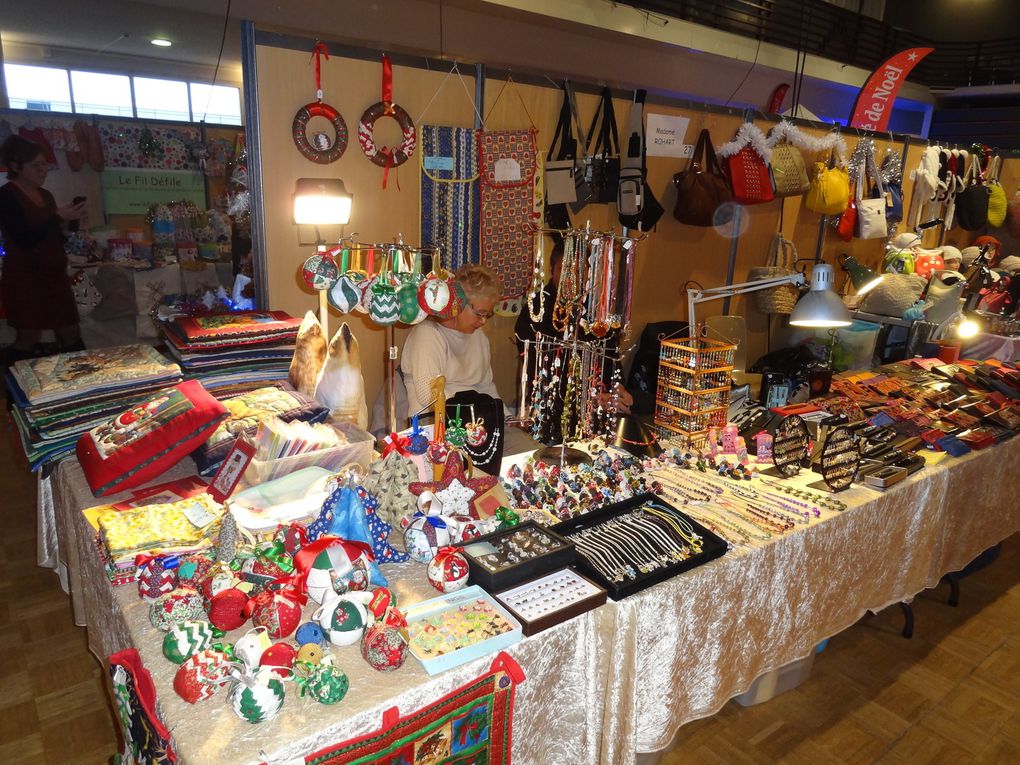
<point x="458" y="350"/>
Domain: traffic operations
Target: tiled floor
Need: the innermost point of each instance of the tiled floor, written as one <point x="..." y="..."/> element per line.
<point x="952" y="694"/>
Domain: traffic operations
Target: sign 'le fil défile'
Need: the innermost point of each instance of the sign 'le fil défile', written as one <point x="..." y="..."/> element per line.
<point x="874" y="103"/>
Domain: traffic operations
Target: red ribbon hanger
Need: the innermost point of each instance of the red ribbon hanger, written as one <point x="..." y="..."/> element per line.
<point x="319" y="52"/>
<point x="397" y="443"/>
<point x="387" y="84"/>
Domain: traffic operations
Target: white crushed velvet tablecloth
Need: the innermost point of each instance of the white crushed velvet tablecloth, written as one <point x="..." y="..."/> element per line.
<point x="623" y="678"/>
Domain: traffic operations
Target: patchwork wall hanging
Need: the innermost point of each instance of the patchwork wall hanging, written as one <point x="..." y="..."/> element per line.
<point x="146" y="739"/>
<point x="450" y="192"/>
<point x="508" y="164"/>
<point x="472" y="724"/>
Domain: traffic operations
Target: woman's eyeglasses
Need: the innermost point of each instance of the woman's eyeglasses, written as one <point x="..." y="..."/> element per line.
<point x="481" y="314"/>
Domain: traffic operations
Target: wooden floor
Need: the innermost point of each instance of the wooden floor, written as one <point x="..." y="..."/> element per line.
<point x="949" y="695"/>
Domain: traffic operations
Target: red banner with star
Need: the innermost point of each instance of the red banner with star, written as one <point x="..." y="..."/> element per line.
<point x="874" y="103"/>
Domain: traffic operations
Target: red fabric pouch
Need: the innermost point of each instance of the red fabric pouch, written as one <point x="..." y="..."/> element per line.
<point x="148" y="439"/>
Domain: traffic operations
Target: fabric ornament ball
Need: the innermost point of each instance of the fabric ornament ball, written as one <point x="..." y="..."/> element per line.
<point x="310" y="633"/>
<point x="219" y="577"/>
<point x="257" y="696"/>
<point x="186" y="639"/>
<point x="448" y="571"/>
<point x="192" y="570"/>
<point x="201" y="674"/>
<point x="324" y="683"/>
<point x="437" y="452"/>
<point x="343" y="619"/>
<point x="156" y="576"/>
<point x="424" y="536"/>
<point x="385" y="307"/>
<point x="384" y="647"/>
<point x="277" y="611"/>
<point x="345" y="294"/>
<point x="435" y="297"/>
<point x="319" y="272"/>
<point x="180" y="605"/>
<point x="310" y="653"/>
<point x="464" y="528"/>
<point x="227" y="609"/>
<point x="411" y="311"/>
<point x="340" y="567"/>
<point x="279" y="655"/>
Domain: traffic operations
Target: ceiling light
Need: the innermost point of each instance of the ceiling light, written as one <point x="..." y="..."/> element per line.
<point x="160" y="42"/>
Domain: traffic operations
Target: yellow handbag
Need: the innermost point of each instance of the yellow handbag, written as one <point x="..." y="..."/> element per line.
<point x="996" y="196"/>
<point x="829" y="192"/>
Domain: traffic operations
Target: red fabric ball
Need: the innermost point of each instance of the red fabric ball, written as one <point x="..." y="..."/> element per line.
<point x="279" y="655"/>
<point x="277" y="611"/>
<point x="226" y="609"/>
<point x="201" y="674"/>
<point x="384" y="648"/>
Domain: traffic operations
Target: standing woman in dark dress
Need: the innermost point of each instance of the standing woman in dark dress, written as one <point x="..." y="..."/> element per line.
<point x="35" y="286"/>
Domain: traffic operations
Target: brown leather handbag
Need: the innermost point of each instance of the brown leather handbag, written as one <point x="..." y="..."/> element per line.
<point x="702" y="187"/>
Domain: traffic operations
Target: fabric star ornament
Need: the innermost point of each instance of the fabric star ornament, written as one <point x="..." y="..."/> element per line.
<point x="453" y="470"/>
<point x="456" y="498"/>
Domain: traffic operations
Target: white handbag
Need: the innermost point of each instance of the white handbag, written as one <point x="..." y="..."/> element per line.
<point x="871" y="220"/>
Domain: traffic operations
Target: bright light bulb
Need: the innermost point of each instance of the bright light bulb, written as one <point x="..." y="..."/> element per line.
<point x="967" y="328"/>
<point x="160" y="42"/>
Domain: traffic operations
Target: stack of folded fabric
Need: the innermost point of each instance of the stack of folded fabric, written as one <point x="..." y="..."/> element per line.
<point x="58" y="398"/>
<point x="233" y="352"/>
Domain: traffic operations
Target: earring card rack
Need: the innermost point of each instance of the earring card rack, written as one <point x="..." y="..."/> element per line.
<point x="693" y="387"/>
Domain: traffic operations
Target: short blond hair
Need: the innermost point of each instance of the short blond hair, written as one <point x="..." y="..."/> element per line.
<point x="479" y="281"/>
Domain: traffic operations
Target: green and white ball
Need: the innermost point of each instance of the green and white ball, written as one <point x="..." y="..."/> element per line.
<point x="259" y="699"/>
<point x="187" y="639"/>
<point x="344" y="620"/>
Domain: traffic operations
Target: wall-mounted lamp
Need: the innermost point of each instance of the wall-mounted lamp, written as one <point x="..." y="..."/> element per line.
<point x="321" y="202"/>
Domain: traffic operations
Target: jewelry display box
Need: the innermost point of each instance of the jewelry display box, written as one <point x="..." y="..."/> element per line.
<point x="507" y="557"/>
<point x="453" y="602"/>
<point x="541" y="603"/>
<point x="712" y="546"/>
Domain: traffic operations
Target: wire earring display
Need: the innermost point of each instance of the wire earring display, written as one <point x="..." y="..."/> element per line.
<point x="570" y="383"/>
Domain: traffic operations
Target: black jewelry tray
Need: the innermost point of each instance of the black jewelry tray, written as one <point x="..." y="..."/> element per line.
<point x="713" y="547"/>
<point x="507" y="576"/>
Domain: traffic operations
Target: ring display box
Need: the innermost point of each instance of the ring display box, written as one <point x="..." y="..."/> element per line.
<point x="628" y="546"/>
<point x="510" y="556"/>
<point x="552" y="599"/>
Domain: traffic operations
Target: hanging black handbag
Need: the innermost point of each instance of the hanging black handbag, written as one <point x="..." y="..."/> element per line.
<point x="559" y="173"/>
<point x="972" y="202"/>
<point x="604" y="156"/>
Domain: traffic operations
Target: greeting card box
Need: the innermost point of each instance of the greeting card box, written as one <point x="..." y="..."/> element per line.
<point x="448" y="604"/>
<point x="552" y="599"/>
<point x="507" y="557"/>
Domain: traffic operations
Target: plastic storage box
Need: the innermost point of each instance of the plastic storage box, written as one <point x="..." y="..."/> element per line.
<point x="358" y="449"/>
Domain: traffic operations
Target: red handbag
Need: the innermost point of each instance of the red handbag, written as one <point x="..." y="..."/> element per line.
<point x="750" y="177"/>
<point x="848" y="220"/>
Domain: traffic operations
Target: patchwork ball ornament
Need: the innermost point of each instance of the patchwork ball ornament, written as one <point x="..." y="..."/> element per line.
<point x="323" y="682"/>
<point x="448" y="571"/>
<point x="335" y="566"/>
<point x="192" y="570"/>
<point x="277" y="610"/>
<point x="384" y="647"/>
<point x="227" y="609"/>
<point x="425" y="535"/>
<point x="156" y="575"/>
<point x="435" y="297"/>
<point x="310" y="633"/>
<point x="201" y="674"/>
<point x="346" y="293"/>
<point x="411" y="311"/>
<point x="384" y="308"/>
<point x="250" y="647"/>
<point x="186" y="639"/>
<point x="319" y="272"/>
<point x="180" y="605"/>
<point x="344" y="619"/>
<point x="281" y="655"/>
<point x="218" y="578"/>
<point x="257" y="696"/>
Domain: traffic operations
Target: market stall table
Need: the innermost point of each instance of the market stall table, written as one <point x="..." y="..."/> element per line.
<point x="623" y="678"/>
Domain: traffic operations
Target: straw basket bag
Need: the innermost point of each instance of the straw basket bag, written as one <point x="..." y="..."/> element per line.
<point x="781" y="299"/>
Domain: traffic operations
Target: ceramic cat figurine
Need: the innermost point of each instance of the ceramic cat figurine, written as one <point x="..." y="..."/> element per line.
<point x="309" y="355"/>
<point x="341" y="386"/>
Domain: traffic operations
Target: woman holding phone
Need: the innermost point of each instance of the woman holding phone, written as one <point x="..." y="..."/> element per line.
<point x="35" y="286"/>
